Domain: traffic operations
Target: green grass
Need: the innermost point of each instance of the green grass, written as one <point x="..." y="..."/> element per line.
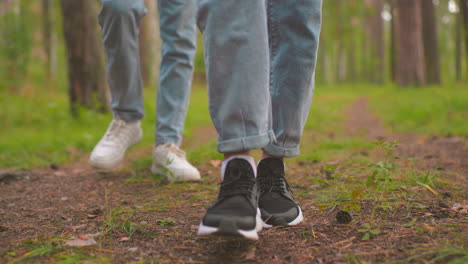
<point x="37" y="128"/>
<point x="438" y="110"/>
<point x="52" y="250"/>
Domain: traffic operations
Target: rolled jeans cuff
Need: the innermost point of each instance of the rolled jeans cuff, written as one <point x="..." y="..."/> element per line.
<point x="283" y="152"/>
<point x="246" y="143"/>
<point x="128" y="116"/>
<point x="163" y="140"/>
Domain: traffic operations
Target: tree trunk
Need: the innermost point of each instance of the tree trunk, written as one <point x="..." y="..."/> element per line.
<point x="85" y="71"/>
<point x="375" y="38"/>
<point x="393" y="41"/>
<point x="410" y="54"/>
<point x="464" y="13"/>
<point x="49" y="39"/>
<point x="458" y="46"/>
<point x="431" y="51"/>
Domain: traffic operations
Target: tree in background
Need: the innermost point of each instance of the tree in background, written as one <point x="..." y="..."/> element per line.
<point x="49" y="39"/>
<point x="15" y="43"/>
<point x="464" y="18"/>
<point x="85" y="70"/>
<point x="374" y="30"/>
<point x="410" y="63"/>
<point x="431" y="51"/>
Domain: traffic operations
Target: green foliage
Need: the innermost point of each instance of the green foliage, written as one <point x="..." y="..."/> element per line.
<point x="15" y="46"/>
<point x="368" y="231"/>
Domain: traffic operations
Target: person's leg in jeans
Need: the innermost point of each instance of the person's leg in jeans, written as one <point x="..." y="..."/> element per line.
<point x="178" y="34"/>
<point x="235" y="34"/>
<point x="237" y="63"/>
<point x="120" y="21"/>
<point x="294" y="28"/>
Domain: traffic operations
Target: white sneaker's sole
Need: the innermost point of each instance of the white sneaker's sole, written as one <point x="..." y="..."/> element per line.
<point x="204" y="230"/>
<point x="297" y="220"/>
<point x="105" y="164"/>
<point x="161" y="170"/>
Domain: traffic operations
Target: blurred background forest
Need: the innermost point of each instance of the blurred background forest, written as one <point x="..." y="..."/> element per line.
<point x="53" y="45"/>
<point x="52" y="62"/>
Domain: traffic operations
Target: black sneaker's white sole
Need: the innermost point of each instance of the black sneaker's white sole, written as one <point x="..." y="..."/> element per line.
<point x="228" y="229"/>
<point x="294" y="222"/>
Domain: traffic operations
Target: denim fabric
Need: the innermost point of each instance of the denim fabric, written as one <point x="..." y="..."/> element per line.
<point x="178" y="34"/>
<point x="260" y="58"/>
<point x="120" y="22"/>
<point x="294" y="28"/>
<point x="237" y="63"/>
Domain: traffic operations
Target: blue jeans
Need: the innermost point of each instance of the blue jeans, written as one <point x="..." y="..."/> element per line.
<point x="260" y="57"/>
<point x="120" y="22"/>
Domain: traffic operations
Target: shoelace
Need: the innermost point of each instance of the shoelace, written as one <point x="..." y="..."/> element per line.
<point x="274" y="184"/>
<point x="174" y="149"/>
<point x="236" y="185"/>
<point x="115" y="129"/>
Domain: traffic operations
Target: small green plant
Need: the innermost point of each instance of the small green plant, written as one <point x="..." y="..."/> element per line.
<point x="330" y="170"/>
<point x="165" y="222"/>
<point x="117" y="220"/>
<point x="368" y="231"/>
<point x="120" y="220"/>
<point x="387" y="146"/>
<point x="306" y="234"/>
<point x="351" y="258"/>
<point x="381" y="171"/>
<point x="410" y="223"/>
<point x="353" y="203"/>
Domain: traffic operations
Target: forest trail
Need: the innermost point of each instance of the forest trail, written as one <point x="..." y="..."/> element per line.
<point x="140" y="217"/>
<point x="433" y="153"/>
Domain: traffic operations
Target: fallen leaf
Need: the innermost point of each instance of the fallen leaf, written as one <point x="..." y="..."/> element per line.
<point x="215" y="163"/>
<point x="250" y="254"/>
<point x="133" y="249"/>
<point x="460" y="208"/>
<point x="74" y="228"/>
<point x="428" y="227"/>
<point x="92" y="216"/>
<point x="82" y="240"/>
<point x="123" y="239"/>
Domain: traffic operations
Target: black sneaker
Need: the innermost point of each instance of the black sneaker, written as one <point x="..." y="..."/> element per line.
<point x="276" y="202"/>
<point x="235" y="211"/>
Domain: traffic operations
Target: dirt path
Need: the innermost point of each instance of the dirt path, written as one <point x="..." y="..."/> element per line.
<point x="433" y="153"/>
<point x="139" y="217"/>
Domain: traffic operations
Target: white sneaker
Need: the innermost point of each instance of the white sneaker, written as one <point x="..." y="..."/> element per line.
<point x="111" y="148"/>
<point x="170" y="161"/>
